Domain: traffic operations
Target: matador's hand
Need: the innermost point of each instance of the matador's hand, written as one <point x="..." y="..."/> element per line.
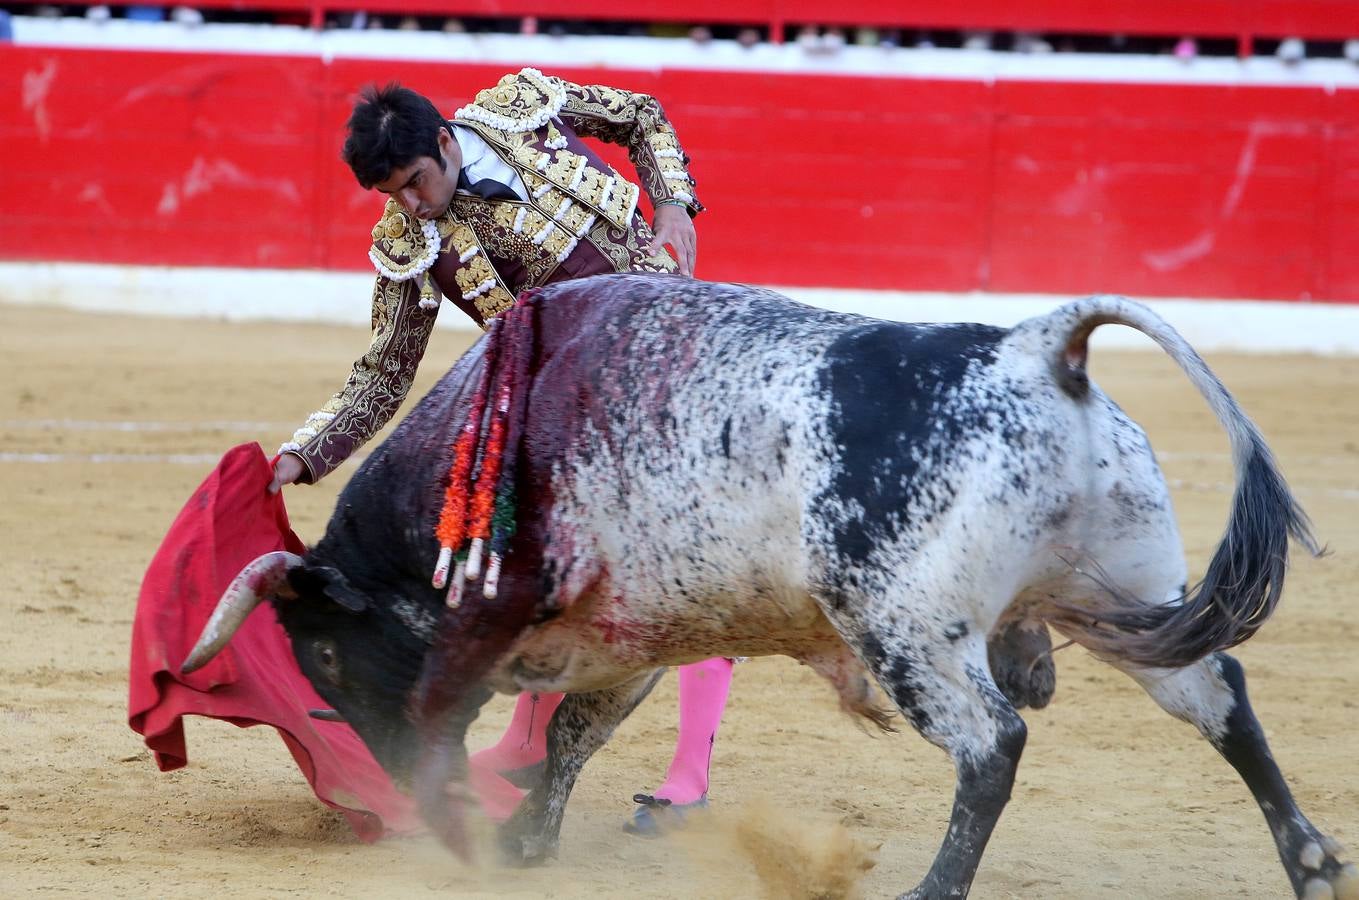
<point x="286" y="471"/>
<point x="673" y="226"/>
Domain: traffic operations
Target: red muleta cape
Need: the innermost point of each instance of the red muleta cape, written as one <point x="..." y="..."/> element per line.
<point x="231" y="519"/>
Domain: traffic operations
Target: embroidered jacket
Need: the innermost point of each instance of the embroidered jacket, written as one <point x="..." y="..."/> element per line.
<point x="580" y="219"/>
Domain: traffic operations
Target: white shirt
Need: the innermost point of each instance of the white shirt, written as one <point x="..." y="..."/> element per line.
<point x="479" y="161"/>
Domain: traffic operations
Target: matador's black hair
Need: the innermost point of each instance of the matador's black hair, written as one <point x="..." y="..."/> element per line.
<point x="390" y="128"/>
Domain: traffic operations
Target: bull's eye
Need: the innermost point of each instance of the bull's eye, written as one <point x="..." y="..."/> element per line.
<point x="328" y="660"/>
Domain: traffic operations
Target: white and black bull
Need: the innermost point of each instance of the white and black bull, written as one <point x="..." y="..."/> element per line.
<point x="713" y="470"/>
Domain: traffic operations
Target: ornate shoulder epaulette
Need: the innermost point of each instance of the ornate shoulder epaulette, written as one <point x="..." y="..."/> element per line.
<point x="523" y="102"/>
<point x="404" y="248"/>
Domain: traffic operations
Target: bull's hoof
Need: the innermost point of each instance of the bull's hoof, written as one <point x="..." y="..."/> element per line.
<point x="523" y="850"/>
<point x="1021" y="664"/>
<point x="655" y="816"/>
<point x="1324" y="877"/>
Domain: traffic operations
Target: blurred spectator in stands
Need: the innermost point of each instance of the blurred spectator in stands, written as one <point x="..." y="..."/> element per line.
<point x="977" y="40"/>
<point x="924" y="41"/>
<point x="866" y="36"/>
<point x="99" y="13"/>
<point x="1028" y="42"/>
<point x="1351" y="50"/>
<point x="816" y="42"/>
<point x="528" y="25"/>
<point x="408" y="23"/>
<point x="701" y="35"/>
<point x="6" y="27"/>
<point x="889" y="39"/>
<point x="145" y="13"/>
<point x="454" y="26"/>
<point x="1186" y="49"/>
<point x="1291" y="51"/>
<point x="748" y="37"/>
<point x="47" y="12"/>
<point x="186" y="15"/>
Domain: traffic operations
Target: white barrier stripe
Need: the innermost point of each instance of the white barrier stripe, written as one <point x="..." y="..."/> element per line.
<point x="96" y="425"/>
<point x="238" y="295"/>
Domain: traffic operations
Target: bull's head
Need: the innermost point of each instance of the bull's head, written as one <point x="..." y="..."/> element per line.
<point x="358" y="655"/>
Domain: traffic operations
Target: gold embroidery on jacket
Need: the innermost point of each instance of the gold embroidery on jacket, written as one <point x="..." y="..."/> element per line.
<point x="596" y="187"/>
<point x="475" y="277"/>
<point x="563" y="167"/>
<point x="398" y="240"/>
<point x="611" y="105"/>
<point x="637" y="122"/>
<point x="625" y="248"/>
<point x="378" y="382"/>
<point x="663" y="141"/>
<point x="494" y="224"/>
<point x="525" y="101"/>
<point x="622" y="202"/>
<point x="494" y="302"/>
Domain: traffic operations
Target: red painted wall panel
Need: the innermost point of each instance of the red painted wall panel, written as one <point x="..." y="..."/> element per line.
<point x="1201" y="190"/>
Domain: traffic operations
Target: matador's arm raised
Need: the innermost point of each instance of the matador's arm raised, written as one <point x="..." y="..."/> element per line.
<point x="635" y="121"/>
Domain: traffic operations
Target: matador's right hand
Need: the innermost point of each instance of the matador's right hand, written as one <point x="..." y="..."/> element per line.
<point x="287" y="469"/>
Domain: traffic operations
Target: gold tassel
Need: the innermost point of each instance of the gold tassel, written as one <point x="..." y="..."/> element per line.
<point x="427" y="298"/>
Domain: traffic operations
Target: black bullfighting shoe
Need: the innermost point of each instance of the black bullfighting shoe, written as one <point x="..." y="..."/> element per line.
<point x="656" y="815"/>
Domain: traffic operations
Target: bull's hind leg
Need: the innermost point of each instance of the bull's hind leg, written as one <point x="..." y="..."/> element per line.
<point x="1211" y="695"/>
<point x="580" y="726"/>
<point x="942" y="684"/>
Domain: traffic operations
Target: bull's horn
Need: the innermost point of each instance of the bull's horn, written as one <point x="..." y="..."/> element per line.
<point x="326" y="715"/>
<point x="264" y="577"/>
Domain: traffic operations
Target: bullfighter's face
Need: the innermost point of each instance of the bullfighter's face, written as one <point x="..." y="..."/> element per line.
<point x="423" y="188"/>
<point x="361" y="659"/>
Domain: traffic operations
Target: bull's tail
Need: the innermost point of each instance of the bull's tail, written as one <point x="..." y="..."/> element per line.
<point x="1244" y="580"/>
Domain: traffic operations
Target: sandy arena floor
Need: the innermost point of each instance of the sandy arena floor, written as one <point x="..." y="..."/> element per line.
<point x="1114" y="799"/>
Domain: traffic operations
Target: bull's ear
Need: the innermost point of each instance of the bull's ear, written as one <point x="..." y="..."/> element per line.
<point x="327" y="580"/>
<point x="340" y="590"/>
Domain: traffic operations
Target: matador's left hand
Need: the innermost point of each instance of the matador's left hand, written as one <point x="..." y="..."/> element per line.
<point x="673" y="226"/>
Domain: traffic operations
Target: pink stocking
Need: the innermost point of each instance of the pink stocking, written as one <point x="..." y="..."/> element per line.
<point x="525" y="740"/>
<point x="702" y="698"/>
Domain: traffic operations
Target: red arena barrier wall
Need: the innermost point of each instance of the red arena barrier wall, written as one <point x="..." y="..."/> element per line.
<point x="814" y="180"/>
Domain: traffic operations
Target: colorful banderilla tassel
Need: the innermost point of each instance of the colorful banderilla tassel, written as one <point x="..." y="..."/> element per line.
<point x="519" y="332"/>
<point x="483" y="492"/>
<point x="452" y="525"/>
<point x="479" y="502"/>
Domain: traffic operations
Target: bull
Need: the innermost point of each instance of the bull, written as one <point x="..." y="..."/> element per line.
<point x="715" y="470"/>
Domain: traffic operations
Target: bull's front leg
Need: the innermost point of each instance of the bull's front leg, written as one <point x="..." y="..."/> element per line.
<point x="580" y="726"/>
<point x="449" y="694"/>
